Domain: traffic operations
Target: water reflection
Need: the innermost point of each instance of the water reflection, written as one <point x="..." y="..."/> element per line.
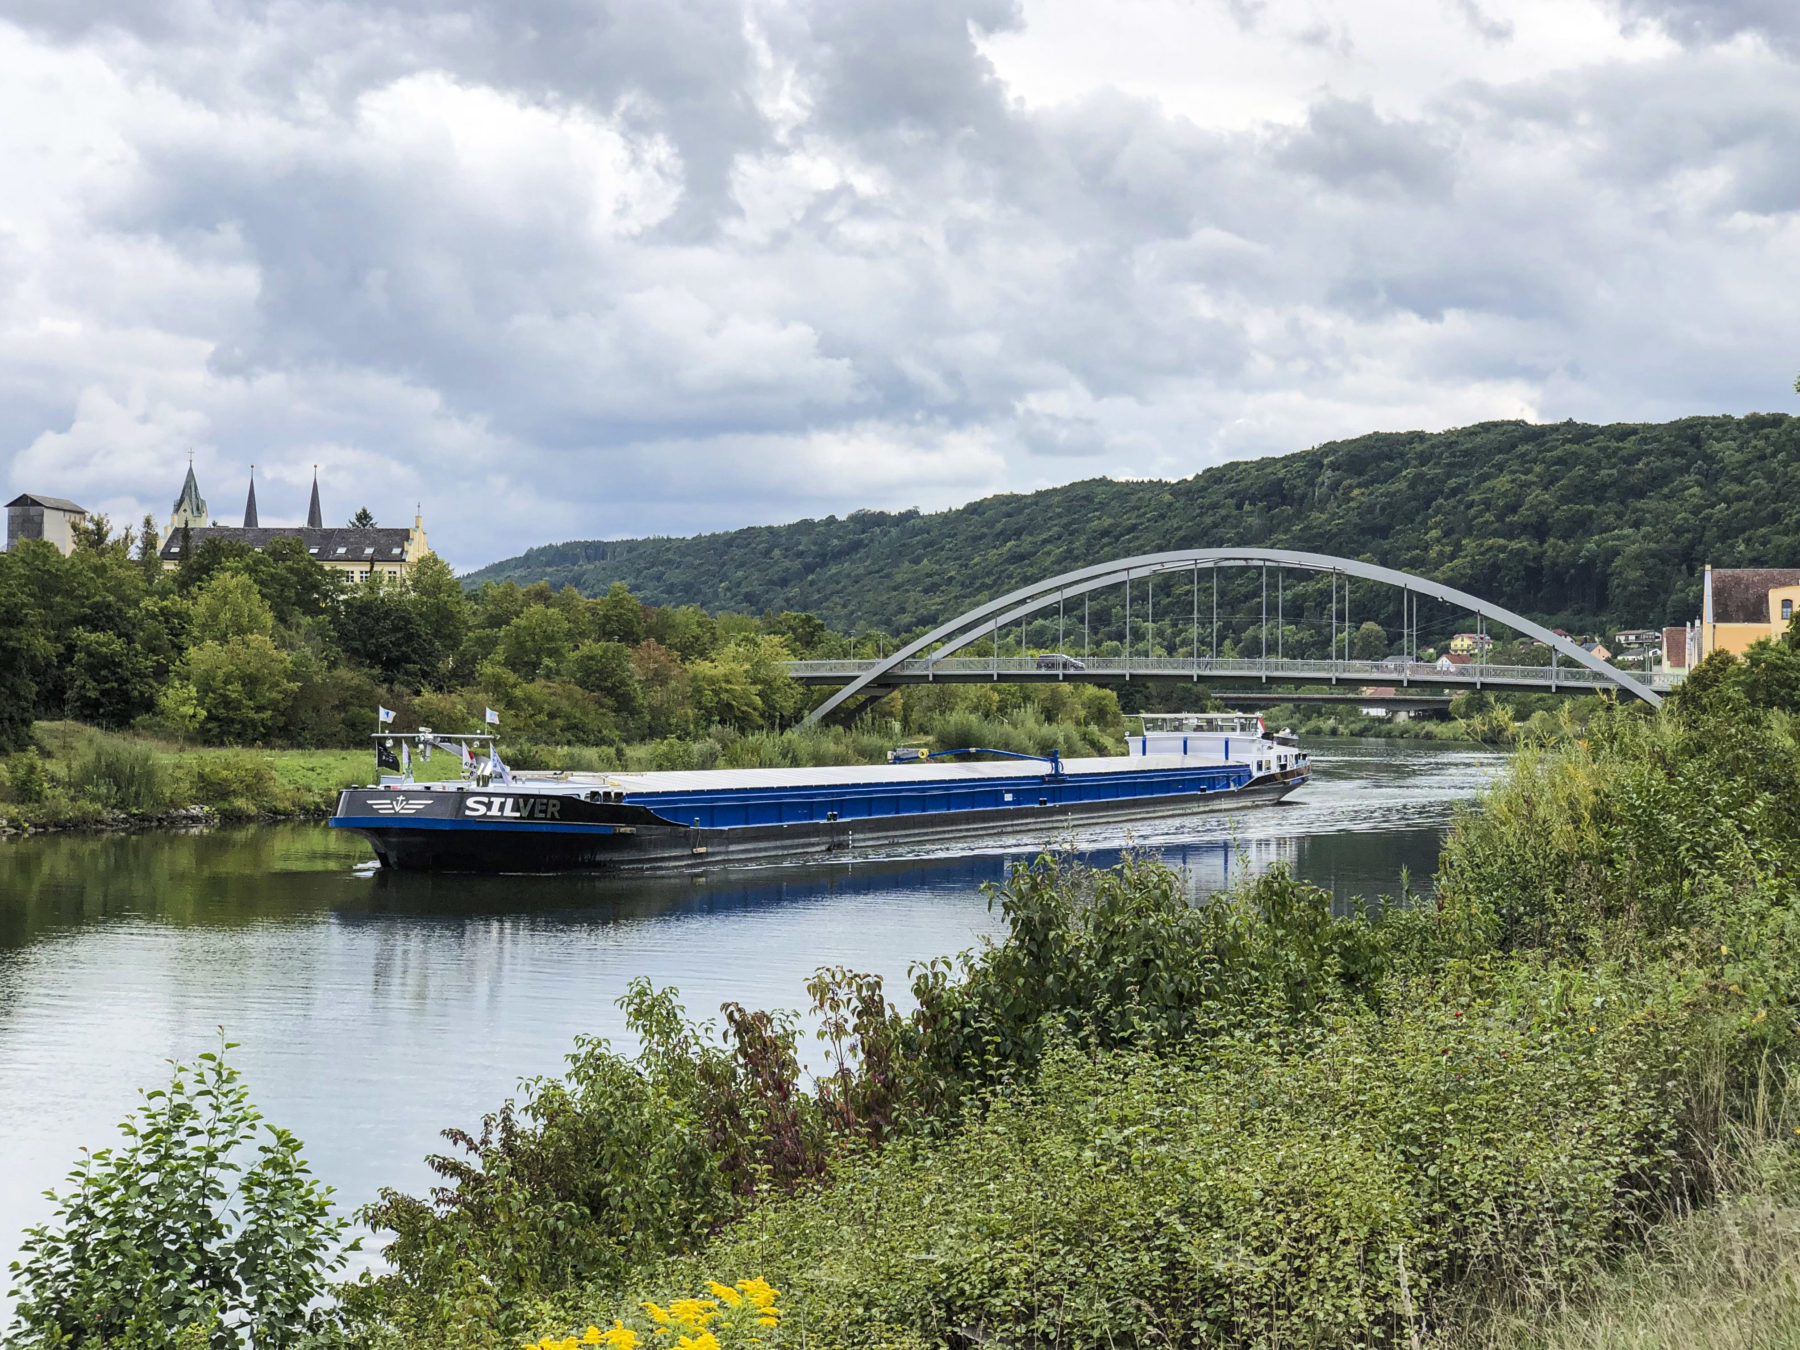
<point x="373" y="1010"/>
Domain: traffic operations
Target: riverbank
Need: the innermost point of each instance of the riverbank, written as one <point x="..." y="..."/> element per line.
<point x="79" y="777"/>
<point x="1135" y="1122"/>
<point x="1476" y="718"/>
<point x="1553" y="1108"/>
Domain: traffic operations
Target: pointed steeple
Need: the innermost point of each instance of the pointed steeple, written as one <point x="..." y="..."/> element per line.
<point x="315" y="519"/>
<point x="190" y="506"/>
<point x="250" y="502"/>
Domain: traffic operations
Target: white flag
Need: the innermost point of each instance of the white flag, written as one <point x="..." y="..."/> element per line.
<point x="493" y="717"/>
<point x="385" y="714"/>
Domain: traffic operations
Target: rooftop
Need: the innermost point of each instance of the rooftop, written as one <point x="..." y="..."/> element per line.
<point x="1741" y="594"/>
<point x="341" y="543"/>
<point x="49" y="503"/>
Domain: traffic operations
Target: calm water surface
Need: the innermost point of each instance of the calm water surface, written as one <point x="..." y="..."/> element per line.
<point x="374" y="1010"/>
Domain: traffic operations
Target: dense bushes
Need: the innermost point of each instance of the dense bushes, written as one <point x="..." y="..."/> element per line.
<point x="202" y="1228"/>
<point x="1134" y="1121"/>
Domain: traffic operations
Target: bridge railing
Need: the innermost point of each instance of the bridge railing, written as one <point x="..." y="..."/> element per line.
<point x="1390" y="671"/>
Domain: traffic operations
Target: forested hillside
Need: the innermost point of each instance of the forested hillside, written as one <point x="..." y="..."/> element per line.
<point x="1573" y="523"/>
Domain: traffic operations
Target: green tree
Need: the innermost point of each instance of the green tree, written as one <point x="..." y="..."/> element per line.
<point x="605" y="668"/>
<point x="362" y="520"/>
<point x="379" y="625"/>
<point x="1369" y="642"/>
<point x="535" y="643"/>
<point x="149" y="557"/>
<point x="110" y="680"/>
<point x="803" y="632"/>
<point x="1771" y="675"/>
<point x="618" y="617"/>
<point x="242" y="686"/>
<point x="25" y="654"/>
<point x="228" y="607"/>
<point x="204" y="1217"/>
<point x="294" y="583"/>
<point x="442" y="605"/>
<point x="722" y="692"/>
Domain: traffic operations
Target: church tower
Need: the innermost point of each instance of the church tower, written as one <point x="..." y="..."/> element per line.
<point x="250" y="502"/>
<point x="190" y="506"/>
<point x="315" y="519"/>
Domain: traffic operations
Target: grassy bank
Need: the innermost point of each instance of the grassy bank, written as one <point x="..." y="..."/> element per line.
<point x="77" y="776"/>
<point x="1475" y="717"/>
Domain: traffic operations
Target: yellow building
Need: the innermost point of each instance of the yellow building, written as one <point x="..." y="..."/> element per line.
<point x="1471" y="644"/>
<point x="1739" y="605"/>
<point x="352" y="551"/>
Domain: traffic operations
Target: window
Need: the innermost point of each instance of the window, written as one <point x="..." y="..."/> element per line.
<point x="1787" y="609"/>
<point x="342" y="550"/>
<point x="313" y="551"/>
<point x="367" y="552"/>
<point x="395" y="552"/>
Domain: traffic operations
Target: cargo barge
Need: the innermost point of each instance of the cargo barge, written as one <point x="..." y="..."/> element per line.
<point x="496" y="819"/>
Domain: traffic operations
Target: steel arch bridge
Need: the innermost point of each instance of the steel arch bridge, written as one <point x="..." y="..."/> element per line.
<point x="907" y="665"/>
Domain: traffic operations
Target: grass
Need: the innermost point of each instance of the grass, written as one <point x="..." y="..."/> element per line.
<point x="1723" y="1278"/>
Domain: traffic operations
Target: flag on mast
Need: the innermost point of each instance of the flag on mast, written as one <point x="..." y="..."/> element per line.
<point x="493" y="718"/>
<point x="384" y="715"/>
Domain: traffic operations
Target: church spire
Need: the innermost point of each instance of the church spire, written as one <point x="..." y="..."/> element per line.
<point x="190" y="506"/>
<point x="315" y="519"/>
<point x="250" y="502"/>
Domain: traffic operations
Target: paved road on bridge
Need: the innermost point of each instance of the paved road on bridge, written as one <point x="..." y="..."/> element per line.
<point x="1392" y="672"/>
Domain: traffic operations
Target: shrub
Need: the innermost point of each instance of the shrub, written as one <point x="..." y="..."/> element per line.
<point x="242" y="686"/>
<point x="125" y="775"/>
<point x="205" y="1217"/>
<point x="26" y="781"/>
<point x="234" y="782"/>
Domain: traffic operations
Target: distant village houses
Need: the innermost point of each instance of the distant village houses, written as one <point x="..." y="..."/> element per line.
<point x="357" y="552"/>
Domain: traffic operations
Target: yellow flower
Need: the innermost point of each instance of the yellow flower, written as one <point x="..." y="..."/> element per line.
<point x="725" y="1293"/>
<point x="760" y="1292"/>
<point x="771" y="1318"/>
<point x="591" y="1336"/>
<point x="621" y="1337"/>
<point x="704" y="1341"/>
<point x="694" y="1313"/>
<point x="657" y="1315"/>
<point x="1724" y="950"/>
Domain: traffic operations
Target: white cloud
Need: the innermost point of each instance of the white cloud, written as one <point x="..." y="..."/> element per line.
<point x="563" y="272"/>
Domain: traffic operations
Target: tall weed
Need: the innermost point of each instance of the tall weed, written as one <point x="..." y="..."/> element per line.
<point x="121" y="774"/>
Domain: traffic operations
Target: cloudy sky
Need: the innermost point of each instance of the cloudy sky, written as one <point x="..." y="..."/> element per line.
<point x="590" y="268"/>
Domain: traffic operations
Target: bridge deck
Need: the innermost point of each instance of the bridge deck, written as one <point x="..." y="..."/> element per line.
<point x="1110" y="669"/>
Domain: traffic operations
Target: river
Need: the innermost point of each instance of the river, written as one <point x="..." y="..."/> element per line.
<point x="374" y="1010"/>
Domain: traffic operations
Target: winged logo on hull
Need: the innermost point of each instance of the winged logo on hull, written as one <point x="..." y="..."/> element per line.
<point x="397" y="806"/>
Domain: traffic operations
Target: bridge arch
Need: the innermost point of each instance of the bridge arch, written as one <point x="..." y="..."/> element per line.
<point x="1026" y="600"/>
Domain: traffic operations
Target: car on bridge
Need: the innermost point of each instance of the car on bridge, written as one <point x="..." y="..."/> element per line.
<point x="1057" y="661"/>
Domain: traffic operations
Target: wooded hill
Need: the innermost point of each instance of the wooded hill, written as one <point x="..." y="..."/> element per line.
<point x="1576" y="524"/>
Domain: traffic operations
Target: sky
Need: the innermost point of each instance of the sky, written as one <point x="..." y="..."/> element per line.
<point x="554" y="269"/>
